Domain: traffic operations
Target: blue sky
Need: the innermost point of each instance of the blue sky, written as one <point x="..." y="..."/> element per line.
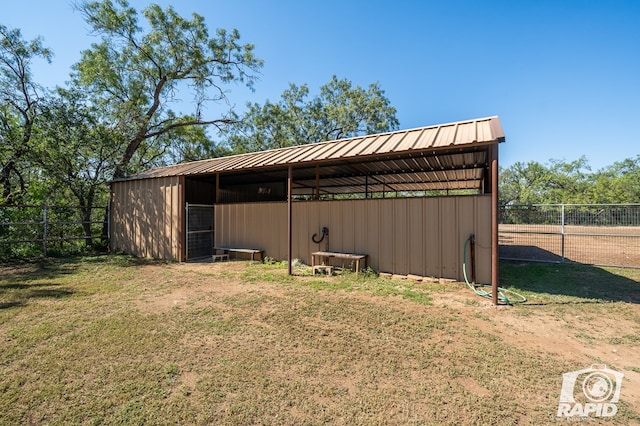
<point x="563" y="75"/>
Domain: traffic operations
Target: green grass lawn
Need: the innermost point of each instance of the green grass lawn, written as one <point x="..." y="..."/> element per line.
<point x="119" y="340"/>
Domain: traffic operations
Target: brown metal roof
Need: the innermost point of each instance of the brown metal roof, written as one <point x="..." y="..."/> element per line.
<point x="392" y="146"/>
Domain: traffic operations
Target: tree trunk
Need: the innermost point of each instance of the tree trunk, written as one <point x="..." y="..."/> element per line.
<point x="86" y="225"/>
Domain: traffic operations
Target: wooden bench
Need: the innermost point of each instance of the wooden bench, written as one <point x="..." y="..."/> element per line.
<point x="227" y="250"/>
<point x="324" y="256"/>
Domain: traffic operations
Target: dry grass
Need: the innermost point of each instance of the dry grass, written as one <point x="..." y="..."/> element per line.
<point x="118" y="340"/>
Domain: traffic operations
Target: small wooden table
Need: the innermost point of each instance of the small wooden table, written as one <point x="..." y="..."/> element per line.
<point x="323" y="256"/>
<point x="252" y="252"/>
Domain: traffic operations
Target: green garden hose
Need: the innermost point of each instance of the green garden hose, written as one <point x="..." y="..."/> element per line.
<point x="478" y="288"/>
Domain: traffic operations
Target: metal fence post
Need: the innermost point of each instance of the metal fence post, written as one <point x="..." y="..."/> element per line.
<point x="109" y="222"/>
<point x="32" y="224"/>
<point x="563" y="233"/>
<point x="44" y="230"/>
<point x="591" y="234"/>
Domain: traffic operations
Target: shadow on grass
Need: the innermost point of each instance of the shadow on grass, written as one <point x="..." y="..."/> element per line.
<point x="581" y="283"/>
<point x="19" y="270"/>
<point x="12" y="304"/>
<point x="16" y="272"/>
<point x="19" y="294"/>
<point x="21" y="286"/>
<point x="22" y="280"/>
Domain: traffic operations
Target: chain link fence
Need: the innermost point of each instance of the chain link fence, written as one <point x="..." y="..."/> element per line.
<point x="29" y="230"/>
<point x="597" y="234"/>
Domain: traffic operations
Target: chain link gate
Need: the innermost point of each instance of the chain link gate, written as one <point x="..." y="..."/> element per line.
<point x="199" y="226"/>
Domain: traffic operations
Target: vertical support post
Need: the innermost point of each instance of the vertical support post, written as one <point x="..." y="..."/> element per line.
<point x="317" y="191"/>
<point x="563" y="235"/>
<point x="289" y="219"/>
<point x="109" y="218"/>
<point x="493" y="158"/>
<point x="217" y="188"/>
<point x="45" y="220"/>
<point x="181" y="236"/>
<point x="366" y="187"/>
<point x="216" y="201"/>
<point x="473" y="258"/>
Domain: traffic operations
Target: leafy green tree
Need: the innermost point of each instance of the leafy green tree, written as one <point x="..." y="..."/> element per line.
<point x="339" y="111"/>
<point x="535" y="183"/>
<point x="523" y="183"/>
<point x="19" y="100"/>
<point x="77" y="151"/>
<point x="617" y="184"/>
<point x="567" y="181"/>
<point x="137" y="73"/>
<point x="190" y="144"/>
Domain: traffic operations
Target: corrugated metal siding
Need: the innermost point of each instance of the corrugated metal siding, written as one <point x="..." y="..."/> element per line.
<point x="421" y="236"/>
<point x="254" y="225"/>
<point x="146" y="217"/>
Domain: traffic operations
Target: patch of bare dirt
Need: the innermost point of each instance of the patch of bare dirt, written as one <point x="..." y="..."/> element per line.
<point x="579" y="336"/>
<point x="177" y="285"/>
<point x="583" y="339"/>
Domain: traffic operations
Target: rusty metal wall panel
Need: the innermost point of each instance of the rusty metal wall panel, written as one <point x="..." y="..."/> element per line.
<point x="420" y="236"/>
<point x="373" y="235"/>
<point x="401" y="235"/>
<point x="348" y="220"/>
<point x="483" y="238"/>
<point x="432" y="240"/>
<point x="360" y="235"/>
<point x="144" y="205"/>
<point x="219" y="221"/>
<point x="467" y="212"/>
<point x="416" y="236"/>
<point x="336" y="227"/>
<point x="145" y="218"/>
<point x="168" y="228"/>
<point x="387" y="240"/>
<point x="252" y="225"/>
<point x="222" y="221"/>
<point x="308" y="219"/>
<point x="303" y="217"/>
<point x="449" y="244"/>
<point x="323" y="220"/>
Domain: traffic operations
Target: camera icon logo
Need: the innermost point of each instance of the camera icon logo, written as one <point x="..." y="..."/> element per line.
<point x="591" y="391"/>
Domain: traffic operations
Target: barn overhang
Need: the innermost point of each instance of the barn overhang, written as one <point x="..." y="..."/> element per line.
<point x="452" y="156"/>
